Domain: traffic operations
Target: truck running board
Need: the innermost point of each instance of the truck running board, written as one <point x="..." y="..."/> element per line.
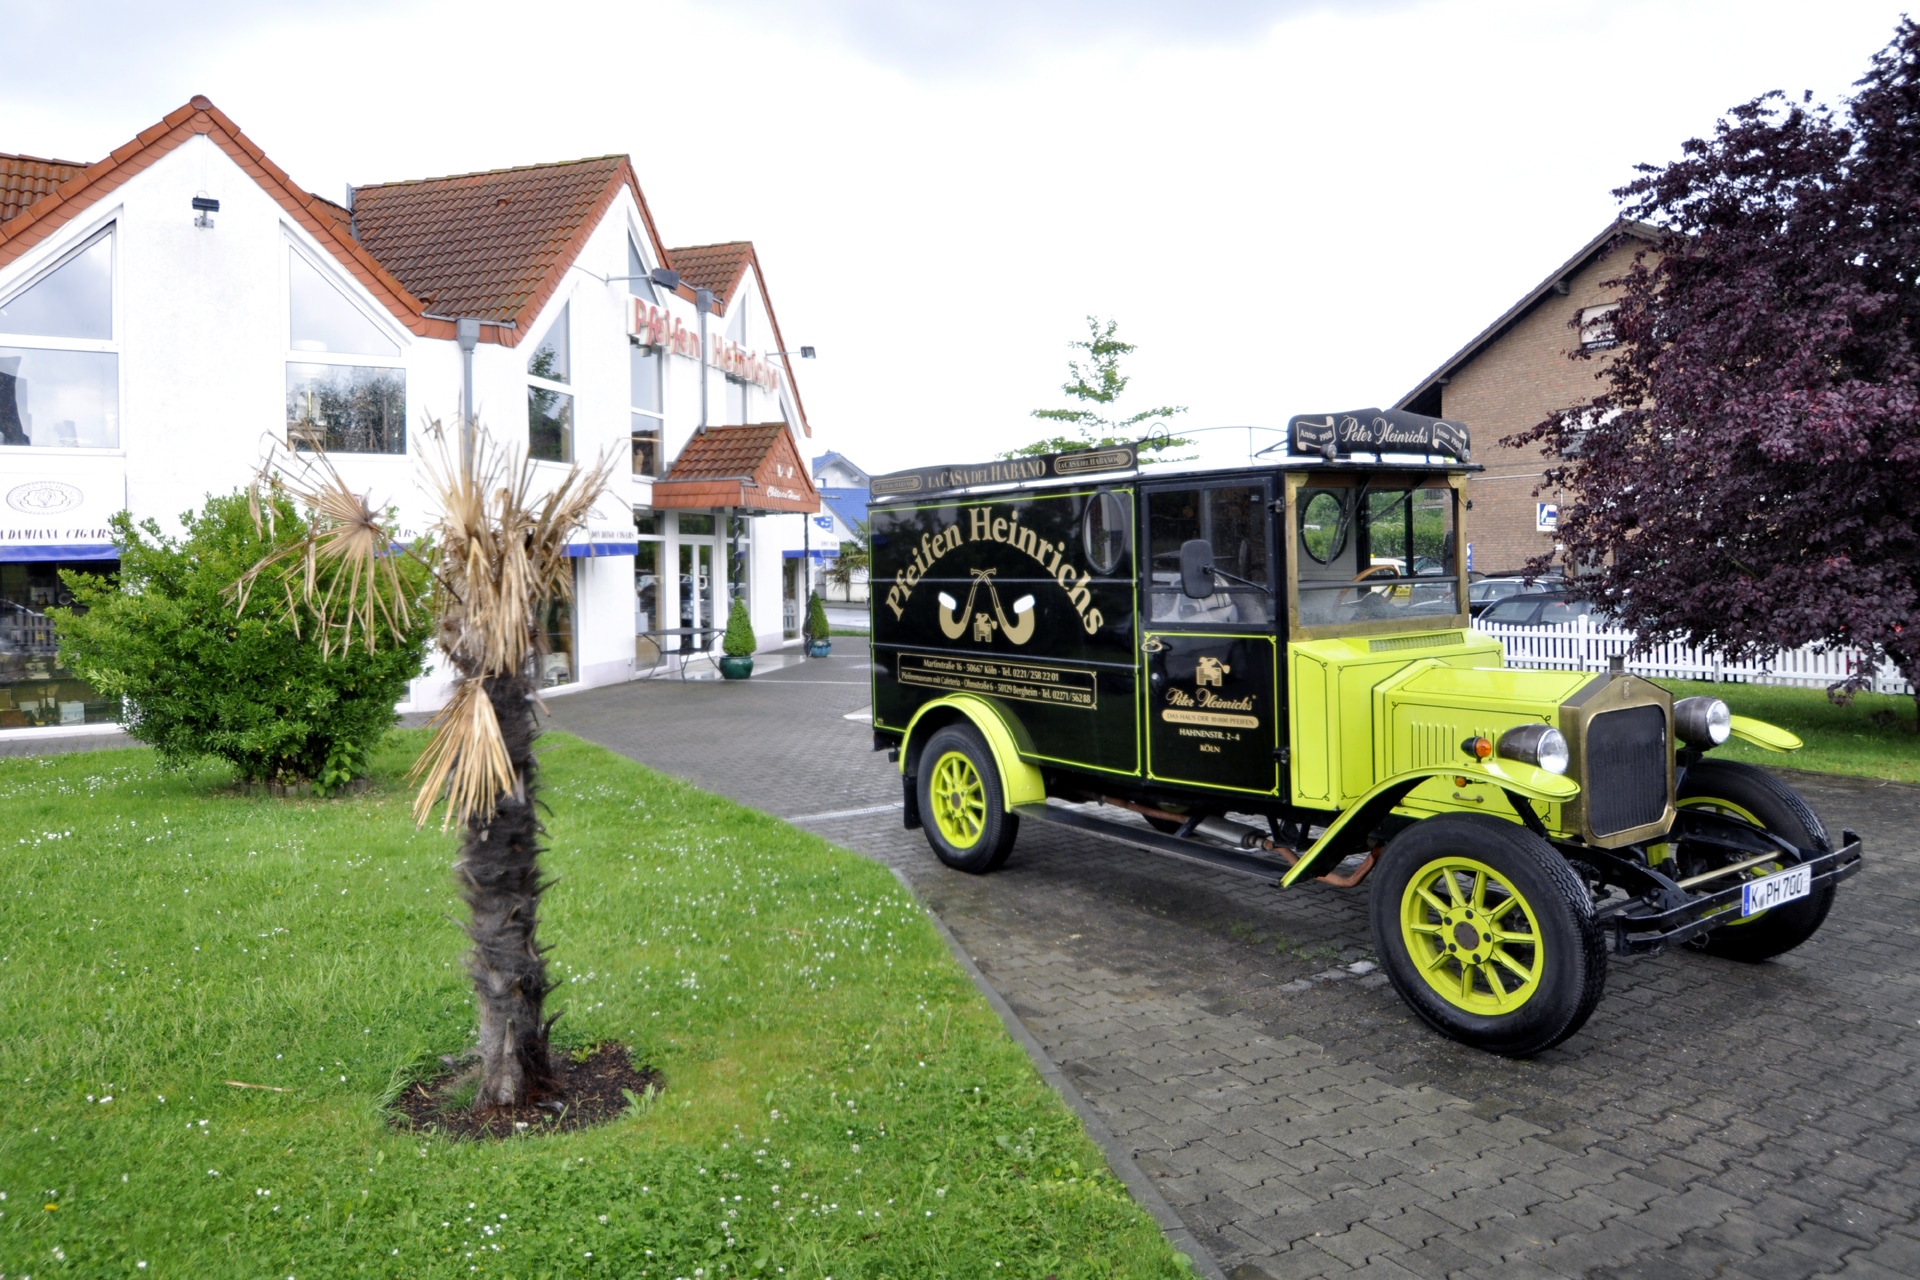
<point x="1192" y="850"/>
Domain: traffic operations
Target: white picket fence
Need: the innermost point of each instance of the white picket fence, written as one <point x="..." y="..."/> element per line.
<point x="1583" y="645"/>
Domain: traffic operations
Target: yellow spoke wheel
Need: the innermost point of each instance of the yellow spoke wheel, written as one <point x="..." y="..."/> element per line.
<point x="959" y="800"/>
<point x="1472" y="936"/>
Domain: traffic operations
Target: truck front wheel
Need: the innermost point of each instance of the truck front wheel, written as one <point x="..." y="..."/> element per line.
<point x="1487" y="933"/>
<point x="1754" y="795"/>
<point x="962" y="803"/>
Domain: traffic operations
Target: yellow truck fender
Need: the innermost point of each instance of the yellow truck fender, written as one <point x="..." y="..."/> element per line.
<point x="1344" y="834"/>
<point x="1020" y="782"/>
<point x="1762" y="734"/>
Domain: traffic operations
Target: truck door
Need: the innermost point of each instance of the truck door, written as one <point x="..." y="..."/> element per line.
<point x="1210" y="666"/>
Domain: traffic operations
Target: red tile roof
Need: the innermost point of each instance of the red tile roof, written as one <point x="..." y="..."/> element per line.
<point x="755" y="468"/>
<point x="48" y="212"/>
<point x="24" y="179"/>
<point x="713" y="266"/>
<point x="494" y="244"/>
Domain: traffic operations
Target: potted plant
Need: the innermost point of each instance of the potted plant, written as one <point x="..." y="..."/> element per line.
<point x="817" y="629"/>
<point x="736" y="647"/>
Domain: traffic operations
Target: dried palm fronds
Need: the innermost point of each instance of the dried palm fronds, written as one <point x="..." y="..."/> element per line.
<point x="497" y="552"/>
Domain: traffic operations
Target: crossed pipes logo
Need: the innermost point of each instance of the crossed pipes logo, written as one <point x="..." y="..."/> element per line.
<point x="953" y="617"/>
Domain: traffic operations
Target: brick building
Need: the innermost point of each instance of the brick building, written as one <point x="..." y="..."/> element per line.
<point x="1518" y="370"/>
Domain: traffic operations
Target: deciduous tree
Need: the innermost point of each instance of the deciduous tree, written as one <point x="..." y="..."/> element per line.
<point x="1746" y="477"/>
<point x="1097" y="384"/>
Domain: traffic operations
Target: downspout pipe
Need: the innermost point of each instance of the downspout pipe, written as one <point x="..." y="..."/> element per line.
<point x="703" y="303"/>
<point x="466" y="331"/>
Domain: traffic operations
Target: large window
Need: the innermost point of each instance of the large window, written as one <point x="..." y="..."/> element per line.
<point x="59" y="363"/>
<point x="1378" y="552"/>
<point x="649" y="551"/>
<point x="560" y="663"/>
<point x="1233" y="521"/>
<point x="549" y="396"/>
<point x="346" y="390"/>
<point x="647" y="365"/>
<point x="35" y="690"/>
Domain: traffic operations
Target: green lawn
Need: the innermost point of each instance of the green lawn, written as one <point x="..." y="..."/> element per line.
<point x="1838" y="739"/>
<point x="840" y="1100"/>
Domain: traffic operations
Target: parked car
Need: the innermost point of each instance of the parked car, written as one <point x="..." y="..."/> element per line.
<point x="1543" y="609"/>
<point x="1483" y="592"/>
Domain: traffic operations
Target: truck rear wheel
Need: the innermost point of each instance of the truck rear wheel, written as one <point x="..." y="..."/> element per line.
<point x="1754" y="795"/>
<point x="1487" y="933"/>
<point x="962" y="802"/>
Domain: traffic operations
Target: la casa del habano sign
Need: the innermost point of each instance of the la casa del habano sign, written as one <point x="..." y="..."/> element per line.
<point x="655" y="328"/>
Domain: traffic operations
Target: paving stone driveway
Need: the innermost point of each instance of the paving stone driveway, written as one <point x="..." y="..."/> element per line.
<point x="1713" y="1119"/>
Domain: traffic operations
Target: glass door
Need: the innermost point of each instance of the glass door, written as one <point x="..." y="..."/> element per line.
<point x="696" y="590"/>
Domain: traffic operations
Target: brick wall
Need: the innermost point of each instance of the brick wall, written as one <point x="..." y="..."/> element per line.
<point x="1513" y="383"/>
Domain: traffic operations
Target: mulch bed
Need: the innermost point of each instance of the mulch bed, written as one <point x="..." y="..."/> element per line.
<point x="592" y="1090"/>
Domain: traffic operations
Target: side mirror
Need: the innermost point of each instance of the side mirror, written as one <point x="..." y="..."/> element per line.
<point x="1196" y="568"/>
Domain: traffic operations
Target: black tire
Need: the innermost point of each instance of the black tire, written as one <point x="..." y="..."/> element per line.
<point x="991" y="828"/>
<point x="1779" y="809"/>
<point x="1557" y="944"/>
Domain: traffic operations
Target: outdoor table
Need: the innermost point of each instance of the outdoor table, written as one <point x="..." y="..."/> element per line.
<point x="702" y="638"/>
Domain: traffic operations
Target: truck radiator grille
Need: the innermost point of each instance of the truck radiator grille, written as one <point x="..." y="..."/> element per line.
<point x="1626" y="769"/>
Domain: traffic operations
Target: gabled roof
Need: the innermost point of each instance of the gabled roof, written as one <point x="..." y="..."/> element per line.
<point x="1424" y="398"/>
<point x="754" y="468"/>
<point x="24" y="179"/>
<point x="86" y="186"/>
<point x="828" y="458"/>
<point x="720" y="267"/>
<point x="714" y="266"/>
<point x="493" y="245"/>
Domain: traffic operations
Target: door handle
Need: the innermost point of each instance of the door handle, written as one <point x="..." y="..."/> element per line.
<point x="1152" y="644"/>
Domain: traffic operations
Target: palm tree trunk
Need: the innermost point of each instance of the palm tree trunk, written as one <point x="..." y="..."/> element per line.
<point x="500" y="879"/>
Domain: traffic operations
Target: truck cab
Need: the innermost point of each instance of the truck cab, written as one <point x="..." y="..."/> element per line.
<point x="1271" y="668"/>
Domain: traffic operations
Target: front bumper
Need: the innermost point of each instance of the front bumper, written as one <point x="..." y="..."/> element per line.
<point x="1666" y="914"/>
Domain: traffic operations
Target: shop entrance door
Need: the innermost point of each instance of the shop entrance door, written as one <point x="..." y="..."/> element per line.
<point x="696" y="589"/>
<point x="790" y="599"/>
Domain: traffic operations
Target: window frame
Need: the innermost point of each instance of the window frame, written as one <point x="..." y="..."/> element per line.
<point x="555" y="387"/>
<point x="1415" y="478"/>
<point x="1204" y="485"/>
<point x="336" y="359"/>
<point x="108" y="224"/>
<point x="1597" y="332"/>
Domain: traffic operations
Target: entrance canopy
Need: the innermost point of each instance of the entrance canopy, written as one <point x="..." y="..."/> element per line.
<point x="752" y="468"/>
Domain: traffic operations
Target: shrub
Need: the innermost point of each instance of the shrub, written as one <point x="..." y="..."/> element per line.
<point x="249" y="686"/>
<point x="738" y="642"/>
<point x="817" y="626"/>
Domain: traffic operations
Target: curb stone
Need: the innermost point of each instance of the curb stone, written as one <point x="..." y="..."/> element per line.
<point x="1119" y="1158"/>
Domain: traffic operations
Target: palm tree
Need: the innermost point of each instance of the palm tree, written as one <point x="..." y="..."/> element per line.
<point x="497" y="552"/>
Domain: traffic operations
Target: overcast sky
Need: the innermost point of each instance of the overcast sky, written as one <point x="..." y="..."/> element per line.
<point x="1290" y="206"/>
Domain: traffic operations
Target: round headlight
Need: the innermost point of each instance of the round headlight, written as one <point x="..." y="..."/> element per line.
<point x="1535" y="744"/>
<point x="1702" y="721"/>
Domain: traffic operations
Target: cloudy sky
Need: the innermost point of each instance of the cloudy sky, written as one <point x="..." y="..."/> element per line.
<point x="1290" y="206"/>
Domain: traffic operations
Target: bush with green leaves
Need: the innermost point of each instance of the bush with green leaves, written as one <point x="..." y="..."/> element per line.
<point x="251" y="684"/>
<point x="818" y="627"/>
<point x="739" y="641"/>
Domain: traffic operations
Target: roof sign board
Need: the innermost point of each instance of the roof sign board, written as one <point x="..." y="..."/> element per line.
<point x="1377" y="431"/>
<point x="1088" y="462"/>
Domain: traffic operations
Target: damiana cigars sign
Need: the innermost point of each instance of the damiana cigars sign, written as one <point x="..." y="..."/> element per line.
<point x="1005" y="471"/>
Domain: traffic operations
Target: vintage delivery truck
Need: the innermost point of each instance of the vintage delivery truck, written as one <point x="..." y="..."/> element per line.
<point x="1272" y="666"/>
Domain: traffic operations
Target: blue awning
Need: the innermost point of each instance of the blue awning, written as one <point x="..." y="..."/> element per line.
<point x="580" y="549"/>
<point x="55" y="551"/>
<point x="810" y="555"/>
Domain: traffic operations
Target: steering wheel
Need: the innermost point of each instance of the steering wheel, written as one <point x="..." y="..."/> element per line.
<point x="1350" y="596"/>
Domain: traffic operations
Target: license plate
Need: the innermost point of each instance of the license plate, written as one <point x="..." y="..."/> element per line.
<point x="1775" y="890"/>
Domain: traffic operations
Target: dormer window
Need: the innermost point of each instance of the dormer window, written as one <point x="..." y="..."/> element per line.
<point x="549" y="395"/>
<point x="346" y="387"/>
<point x="59" y="362"/>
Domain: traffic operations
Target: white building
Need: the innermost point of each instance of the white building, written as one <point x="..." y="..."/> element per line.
<point x="844" y="491"/>
<point x="168" y="310"/>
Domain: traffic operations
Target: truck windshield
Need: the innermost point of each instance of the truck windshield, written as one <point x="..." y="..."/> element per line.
<point x="1376" y="552"/>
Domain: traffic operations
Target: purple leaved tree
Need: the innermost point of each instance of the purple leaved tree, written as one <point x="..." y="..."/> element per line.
<point x="1746" y="479"/>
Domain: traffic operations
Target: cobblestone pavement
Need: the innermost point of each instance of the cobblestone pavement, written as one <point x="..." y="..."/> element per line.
<point x="1712" y="1119"/>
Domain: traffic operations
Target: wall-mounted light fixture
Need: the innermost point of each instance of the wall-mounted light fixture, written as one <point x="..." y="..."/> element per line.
<point x="668" y="280"/>
<point x="204" y="207"/>
<point x="805" y="353"/>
